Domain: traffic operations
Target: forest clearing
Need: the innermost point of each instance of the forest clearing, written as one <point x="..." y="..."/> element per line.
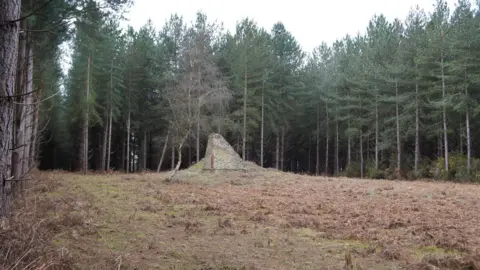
<point x="104" y="120"/>
<point x="258" y="219"/>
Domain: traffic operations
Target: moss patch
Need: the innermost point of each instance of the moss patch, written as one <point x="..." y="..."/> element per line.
<point x="197" y="166"/>
<point x="434" y="251"/>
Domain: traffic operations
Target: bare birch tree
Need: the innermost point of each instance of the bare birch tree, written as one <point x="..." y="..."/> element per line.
<point x="201" y="84"/>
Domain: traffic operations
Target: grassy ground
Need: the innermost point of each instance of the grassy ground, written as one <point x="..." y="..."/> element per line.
<point x="259" y="219"/>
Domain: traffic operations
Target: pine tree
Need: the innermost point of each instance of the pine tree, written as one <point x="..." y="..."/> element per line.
<point x="287" y="68"/>
<point x="434" y="65"/>
<point x="413" y="47"/>
<point x="463" y="65"/>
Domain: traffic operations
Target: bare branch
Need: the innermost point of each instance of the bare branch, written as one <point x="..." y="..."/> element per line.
<point x="19" y="95"/>
<point x="33" y="12"/>
<point x="38" y="102"/>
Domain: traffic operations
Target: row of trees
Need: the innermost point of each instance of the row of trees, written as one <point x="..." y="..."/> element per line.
<point x="133" y="95"/>
<point x="402" y="97"/>
<point x="31" y="33"/>
<point x="398" y="100"/>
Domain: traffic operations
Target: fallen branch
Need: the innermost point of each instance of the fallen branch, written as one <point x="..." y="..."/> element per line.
<point x="119" y="259"/>
<point x="105" y="240"/>
<point x="20" y="259"/>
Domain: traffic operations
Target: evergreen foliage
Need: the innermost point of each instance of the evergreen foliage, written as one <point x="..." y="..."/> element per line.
<point x="378" y="105"/>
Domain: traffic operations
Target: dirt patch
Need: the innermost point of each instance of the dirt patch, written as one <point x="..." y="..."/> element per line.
<point x="271" y="220"/>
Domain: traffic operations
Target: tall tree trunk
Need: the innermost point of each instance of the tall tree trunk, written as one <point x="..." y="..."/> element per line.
<point x="337" y="138"/>
<point x="109" y="121"/>
<point x="469" y="141"/>
<point x="104" y="143"/>
<point x="440" y="145"/>
<point x="127" y="168"/>
<point x="262" y="126"/>
<point x="349" y="147"/>
<point x="29" y="108"/>
<point x="361" y="154"/>
<point x="460" y="139"/>
<point x="467" y="127"/>
<point x="317" y="142"/>
<point x="327" y="139"/>
<point x="9" y="13"/>
<point x="85" y="121"/>
<point x="180" y="148"/>
<point x="337" y="146"/>
<point x="198" y="134"/>
<point x="309" y="156"/>
<point x="134" y="152"/>
<point x="282" y="150"/>
<point x="444" y="112"/>
<point x="238" y="144"/>
<point x="277" y="152"/>
<point x="98" y="149"/>
<point x="128" y="150"/>
<point x="190" y="155"/>
<point x="376" y="129"/>
<point x="144" y="150"/>
<point x="159" y="167"/>
<point x="19" y="109"/>
<point x="109" y="146"/>
<point x="124" y="152"/>
<point x="397" y="115"/>
<point x="368" y="147"/>
<point x="349" y="139"/>
<point x="34" y="148"/>
<point x="173" y="156"/>
<point x="150" y="152"/>
<point x="244" y="116"/>
<point x="417" y="130"/>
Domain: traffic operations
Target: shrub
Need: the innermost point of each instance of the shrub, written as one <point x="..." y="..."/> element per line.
<point x="352" y="170"/>
<point x="457" y="168"/>
<point x="424" y="168"/>
<point x="390" y="173"/>
<point x="373" y="173"/>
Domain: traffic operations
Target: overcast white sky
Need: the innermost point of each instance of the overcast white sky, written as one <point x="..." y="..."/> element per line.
<point x="310" y="21"/>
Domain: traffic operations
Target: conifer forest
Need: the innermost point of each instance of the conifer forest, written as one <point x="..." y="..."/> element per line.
<point x="398" y="101"/>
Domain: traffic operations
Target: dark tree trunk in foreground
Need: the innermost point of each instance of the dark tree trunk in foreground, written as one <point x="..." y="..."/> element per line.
<point x="9" y="12"/>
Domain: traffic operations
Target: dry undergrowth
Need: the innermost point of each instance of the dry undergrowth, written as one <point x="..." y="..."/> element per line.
<point x="26" y="236"/>
<point x="259" y="219"/>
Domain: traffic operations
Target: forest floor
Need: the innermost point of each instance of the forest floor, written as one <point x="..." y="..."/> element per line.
<point x="259" y="219"/>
